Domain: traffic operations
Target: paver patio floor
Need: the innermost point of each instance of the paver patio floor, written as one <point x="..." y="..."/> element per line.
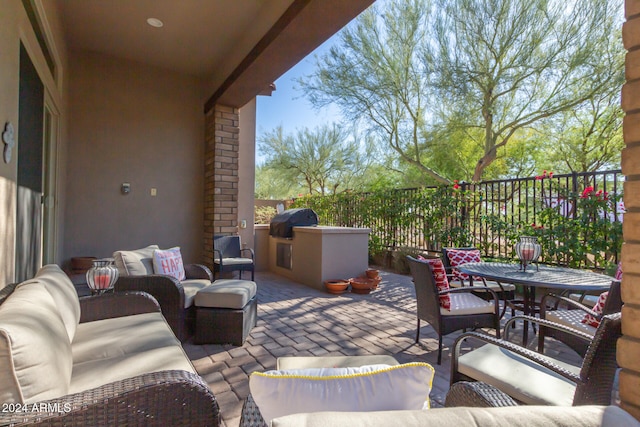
<point x="295" y="320"/>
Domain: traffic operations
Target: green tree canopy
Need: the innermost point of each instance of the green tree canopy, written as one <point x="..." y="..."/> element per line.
<point x="449" y="83"/>
<point x="324" y="160"/>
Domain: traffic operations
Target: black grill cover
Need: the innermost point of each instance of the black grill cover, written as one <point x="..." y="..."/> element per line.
<point x="282" y="224"/>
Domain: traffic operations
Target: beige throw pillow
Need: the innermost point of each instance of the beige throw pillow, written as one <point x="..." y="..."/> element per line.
<point x="135" y="263"/>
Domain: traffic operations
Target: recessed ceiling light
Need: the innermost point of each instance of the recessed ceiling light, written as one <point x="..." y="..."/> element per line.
<point x="155" y="22"/>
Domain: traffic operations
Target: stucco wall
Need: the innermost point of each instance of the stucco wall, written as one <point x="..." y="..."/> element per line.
<point x="133" y="123"/>
<point x="247" y="172"/>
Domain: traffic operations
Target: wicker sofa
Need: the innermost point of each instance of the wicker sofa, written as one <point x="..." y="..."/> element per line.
<point x="521" y="416"/>
<point x="99" y="360"/>
<point x="175" y="297"/>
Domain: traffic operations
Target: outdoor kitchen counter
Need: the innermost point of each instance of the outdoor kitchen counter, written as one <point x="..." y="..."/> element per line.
<point x="319" y="253"/>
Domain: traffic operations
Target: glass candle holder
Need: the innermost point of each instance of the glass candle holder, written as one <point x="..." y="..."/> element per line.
<point x="102" y="276"/>
<point x="528" y="251"/>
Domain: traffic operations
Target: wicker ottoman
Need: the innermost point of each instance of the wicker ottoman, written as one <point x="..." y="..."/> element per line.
<point x="226" y="311"/>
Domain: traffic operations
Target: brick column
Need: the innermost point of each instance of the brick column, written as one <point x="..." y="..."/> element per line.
<point x="629" y="344"/>
<point x="221" y="175"/>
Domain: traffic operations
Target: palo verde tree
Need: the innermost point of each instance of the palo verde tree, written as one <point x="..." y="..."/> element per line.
<point x="324" y="160"/>
<point x="508" y="64"/>
<point x="585" y="139"/>
<point x="419" y="72"/>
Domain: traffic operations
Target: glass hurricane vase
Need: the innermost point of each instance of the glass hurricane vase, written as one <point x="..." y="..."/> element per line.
<point x="102" y="276"/>
<point x="528" y="251"/>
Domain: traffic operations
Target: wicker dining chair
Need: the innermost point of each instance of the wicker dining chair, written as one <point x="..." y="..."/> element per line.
<point x="467" y="310"/>
<point x="453" y="257"/>
<point x="536" y="379"/>
<point x="229" y="256"/>
<point x="572" y="316"/>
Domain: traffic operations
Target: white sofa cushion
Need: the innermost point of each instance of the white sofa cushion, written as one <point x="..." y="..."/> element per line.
<point x="135" y="263"/>
<point x="519" y="377"/>
<point x="123" y="347"/>
<point x="191" y="288"/>
<point x="64" y="295"/>
<point x="467" y="303"/>
<point x="226" y="293"/>
<point x="35" y="352"/>
<point x="365" y="388"/>
<point x="512" y="416"/>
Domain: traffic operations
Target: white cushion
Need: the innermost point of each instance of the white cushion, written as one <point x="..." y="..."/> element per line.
<point x="226" y="293"/>
<point x="571" y="318"/>
<point x="366" y="388"/>
<point x="519" y="377"/>
<point x="467" y="303"/>
<point x="234" y="261"/>
<point x="510" y="416"/>
<point x="169" y="263"/>
<point x="588" y="300"/>
<point x="35" y="352"/>
<point x="135" y="263"/>
<point x="494" y="286"/>
<point x="191" y="288"/>
<point x="118" y="336"/>
<point x="64" y="295"/>
<point x="123" y="347"/>
<point x="304" y="362"/>
<point x="96" y="373"/>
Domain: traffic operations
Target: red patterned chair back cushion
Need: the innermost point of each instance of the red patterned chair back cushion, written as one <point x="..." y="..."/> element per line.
<point x="462" y="256"/>
<point x="619" y="272"/>
<point x="598" y="308"/>
<point x="440" y="278"/>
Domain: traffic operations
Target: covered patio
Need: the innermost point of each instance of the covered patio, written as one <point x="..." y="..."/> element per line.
<point x="295" y="320"/>
<point x="115" y="122"/>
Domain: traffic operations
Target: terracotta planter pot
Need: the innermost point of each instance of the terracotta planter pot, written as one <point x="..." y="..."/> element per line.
<point x="362" y="285"/>
<point x="372" y="273"/>
<point x="336" y="286"/>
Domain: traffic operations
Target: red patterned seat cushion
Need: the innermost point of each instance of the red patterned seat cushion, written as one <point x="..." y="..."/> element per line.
<point x="440" y="277"/>
<point x="462" y="256"/>
<point x="589" y="319"/>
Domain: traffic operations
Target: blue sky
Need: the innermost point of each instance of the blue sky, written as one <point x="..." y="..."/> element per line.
<point x="287" y="106"/>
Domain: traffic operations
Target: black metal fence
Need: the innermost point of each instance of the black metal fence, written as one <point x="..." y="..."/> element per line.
<point x="577" y="217"/>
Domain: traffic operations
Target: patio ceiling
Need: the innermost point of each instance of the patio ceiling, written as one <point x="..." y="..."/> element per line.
<point x="237" y="47"/>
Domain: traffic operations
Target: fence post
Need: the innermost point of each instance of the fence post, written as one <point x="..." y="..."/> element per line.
<point x="574" y="189"/>
<point x="464" y="209"/>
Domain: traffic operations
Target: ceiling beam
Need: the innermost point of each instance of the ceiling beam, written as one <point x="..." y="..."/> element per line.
<point x="304" y="26"/>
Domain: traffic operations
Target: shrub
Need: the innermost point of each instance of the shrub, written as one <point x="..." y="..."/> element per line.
<point x="264" y="214"/>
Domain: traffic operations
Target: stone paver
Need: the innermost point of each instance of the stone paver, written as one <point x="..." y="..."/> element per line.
<point x="295" y="320"/>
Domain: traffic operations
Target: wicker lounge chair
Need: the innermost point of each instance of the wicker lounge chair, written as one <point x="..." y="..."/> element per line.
<point x="532" y="378"/>
<point x="572" y="317"/>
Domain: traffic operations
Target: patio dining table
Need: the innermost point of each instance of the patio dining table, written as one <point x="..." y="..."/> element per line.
<point x="561" y="279"/>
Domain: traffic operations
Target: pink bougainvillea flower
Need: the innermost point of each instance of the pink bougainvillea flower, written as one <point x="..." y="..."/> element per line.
<point x="550" y="174"/>
<point x="587" y="191"/>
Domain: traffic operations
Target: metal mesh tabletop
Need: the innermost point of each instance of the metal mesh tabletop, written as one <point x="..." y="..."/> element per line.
<point x="546" y="276"/>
